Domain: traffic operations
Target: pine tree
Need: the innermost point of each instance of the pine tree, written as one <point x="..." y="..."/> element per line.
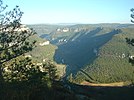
<point x="14" y="44"/>
<point x="13" y="36"/>
<point x="132" y="15"/>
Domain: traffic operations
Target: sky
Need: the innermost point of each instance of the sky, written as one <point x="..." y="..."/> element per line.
<point x="73" y="11"/>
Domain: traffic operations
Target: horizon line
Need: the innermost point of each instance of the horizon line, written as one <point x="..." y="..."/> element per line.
<point x="72" y="23"/>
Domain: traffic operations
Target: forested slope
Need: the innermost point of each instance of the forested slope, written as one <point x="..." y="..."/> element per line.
<point x="112" y="64"/>
<point x="42" y="52"/>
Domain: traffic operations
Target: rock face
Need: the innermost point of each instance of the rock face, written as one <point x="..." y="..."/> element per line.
<point x="65" y="30"/>
<point x="44" y="43"/>
<point x="131" y="57"/>
<point x="18" y="29"/>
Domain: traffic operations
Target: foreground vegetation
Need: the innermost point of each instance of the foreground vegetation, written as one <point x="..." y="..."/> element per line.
<point x="23" y="78"/>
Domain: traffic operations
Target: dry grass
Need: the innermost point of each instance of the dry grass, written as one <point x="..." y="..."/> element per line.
<point x="116" y="84"/>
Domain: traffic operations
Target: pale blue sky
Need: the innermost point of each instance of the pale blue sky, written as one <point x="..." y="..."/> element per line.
<point x="73" y="11"/>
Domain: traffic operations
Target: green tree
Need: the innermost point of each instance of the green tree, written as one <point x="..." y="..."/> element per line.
<point x="14" y="44"/>
<point x="20" y="77"/>
<point x="131" y="41"/>
<point x="132" y="15"/>
<point x="17" y="71"/>
<point x="13" y="39"/>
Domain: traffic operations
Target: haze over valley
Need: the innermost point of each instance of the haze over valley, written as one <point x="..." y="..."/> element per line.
<point x="66" y="50"/>
<point x="80" y="46"/>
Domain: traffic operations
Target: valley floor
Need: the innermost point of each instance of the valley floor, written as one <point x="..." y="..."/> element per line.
<point x="116" y="84"/>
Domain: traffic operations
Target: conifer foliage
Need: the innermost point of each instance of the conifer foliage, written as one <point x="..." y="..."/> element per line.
<point x="132" y="15"/>
<point x="20" y="77"/>
<point x="13" y="37"/>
